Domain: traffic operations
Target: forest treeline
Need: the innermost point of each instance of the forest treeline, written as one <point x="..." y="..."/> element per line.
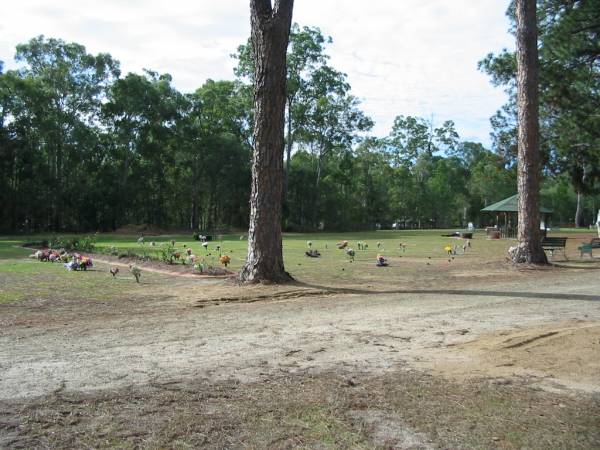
<point x="84" y="147"/>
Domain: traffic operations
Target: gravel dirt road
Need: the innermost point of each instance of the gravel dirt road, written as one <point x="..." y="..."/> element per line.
<point x="544" y="326"/>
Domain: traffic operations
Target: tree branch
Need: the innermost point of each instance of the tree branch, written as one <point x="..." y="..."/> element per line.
<point x="593" y="26"/>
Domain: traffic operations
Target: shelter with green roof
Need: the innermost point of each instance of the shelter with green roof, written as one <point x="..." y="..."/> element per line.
<point x="506" y="216"/>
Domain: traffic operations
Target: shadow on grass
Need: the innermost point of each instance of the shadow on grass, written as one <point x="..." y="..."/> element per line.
<point x="463" y="292"/>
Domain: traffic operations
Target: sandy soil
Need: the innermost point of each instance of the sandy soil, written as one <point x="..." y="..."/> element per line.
<point x="544" y="327"/>
<point x="559" y="355"/>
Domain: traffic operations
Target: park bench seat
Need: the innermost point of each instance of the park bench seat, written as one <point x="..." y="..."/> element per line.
<point x="554" y="244"/>
<point x="588" y="247"/>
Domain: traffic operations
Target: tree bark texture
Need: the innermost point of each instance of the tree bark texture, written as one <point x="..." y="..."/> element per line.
<point x="270" y="27"/>
<point x="579" y="222"/>
<point x="288" y="149"/>
<point x="529" y="249"/>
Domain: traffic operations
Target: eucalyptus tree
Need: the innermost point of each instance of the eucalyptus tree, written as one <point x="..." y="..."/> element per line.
<point x="413" y="137"/>
<point x="331" y="116"/>
<point x="414" y="144"/>
<point x="140" y="114"/>
<point x="213" y="155"/>
<point x="10" y="166"/>
<point x="64" y="87"/>
<point x="373" y="179"/>
<point x="489" y="178"/>
<point x="225" y="117"/>
<point x="332" y="123"/>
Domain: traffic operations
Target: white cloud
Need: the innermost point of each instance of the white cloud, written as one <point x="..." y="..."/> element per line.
<point x="410" y="57"/>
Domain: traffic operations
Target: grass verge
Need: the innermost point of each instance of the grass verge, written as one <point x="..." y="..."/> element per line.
<point x="401" y="409"/>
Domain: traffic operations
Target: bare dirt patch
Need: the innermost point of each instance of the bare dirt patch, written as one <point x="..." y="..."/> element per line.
<point x="156" y="333"/>
<point x="110" y="362"/>
<point x="567" y="353"/>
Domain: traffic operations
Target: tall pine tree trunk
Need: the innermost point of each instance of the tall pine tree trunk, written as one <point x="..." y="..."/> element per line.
<point x="288" y="149"/>
<point x="270" y="35"/>
<point x="194" y="218"/>
<point x="529" y="249"/>
<point x="579" y="211"/>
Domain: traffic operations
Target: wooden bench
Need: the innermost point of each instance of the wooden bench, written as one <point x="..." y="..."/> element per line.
<point x="554" y="244"/>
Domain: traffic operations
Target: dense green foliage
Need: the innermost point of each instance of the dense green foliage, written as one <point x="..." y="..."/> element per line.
<point x="83" y="147"/>
<point x="569" y="52"/>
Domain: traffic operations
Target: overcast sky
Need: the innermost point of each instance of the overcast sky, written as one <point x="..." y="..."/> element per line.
<point x="409" y="57"/>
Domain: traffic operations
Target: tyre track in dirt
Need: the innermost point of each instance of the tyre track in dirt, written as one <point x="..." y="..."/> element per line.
<point x="162" y="337"/>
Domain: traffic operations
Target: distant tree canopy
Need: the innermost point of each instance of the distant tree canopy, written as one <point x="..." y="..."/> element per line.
<point x="84" y="147"/>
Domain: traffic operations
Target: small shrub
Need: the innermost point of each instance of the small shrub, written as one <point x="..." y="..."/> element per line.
<point x="112" y="251"/>
<point x="128" y="254"/>
<point x="85" y="244"/>
<point x="58" y="242"/>
<point x="167" y="253"/>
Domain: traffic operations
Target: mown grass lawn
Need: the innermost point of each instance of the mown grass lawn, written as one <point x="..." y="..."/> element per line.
<point x="415" y="256"/>
<point x="423" y="254"/>
<point x="26" y="278"/>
